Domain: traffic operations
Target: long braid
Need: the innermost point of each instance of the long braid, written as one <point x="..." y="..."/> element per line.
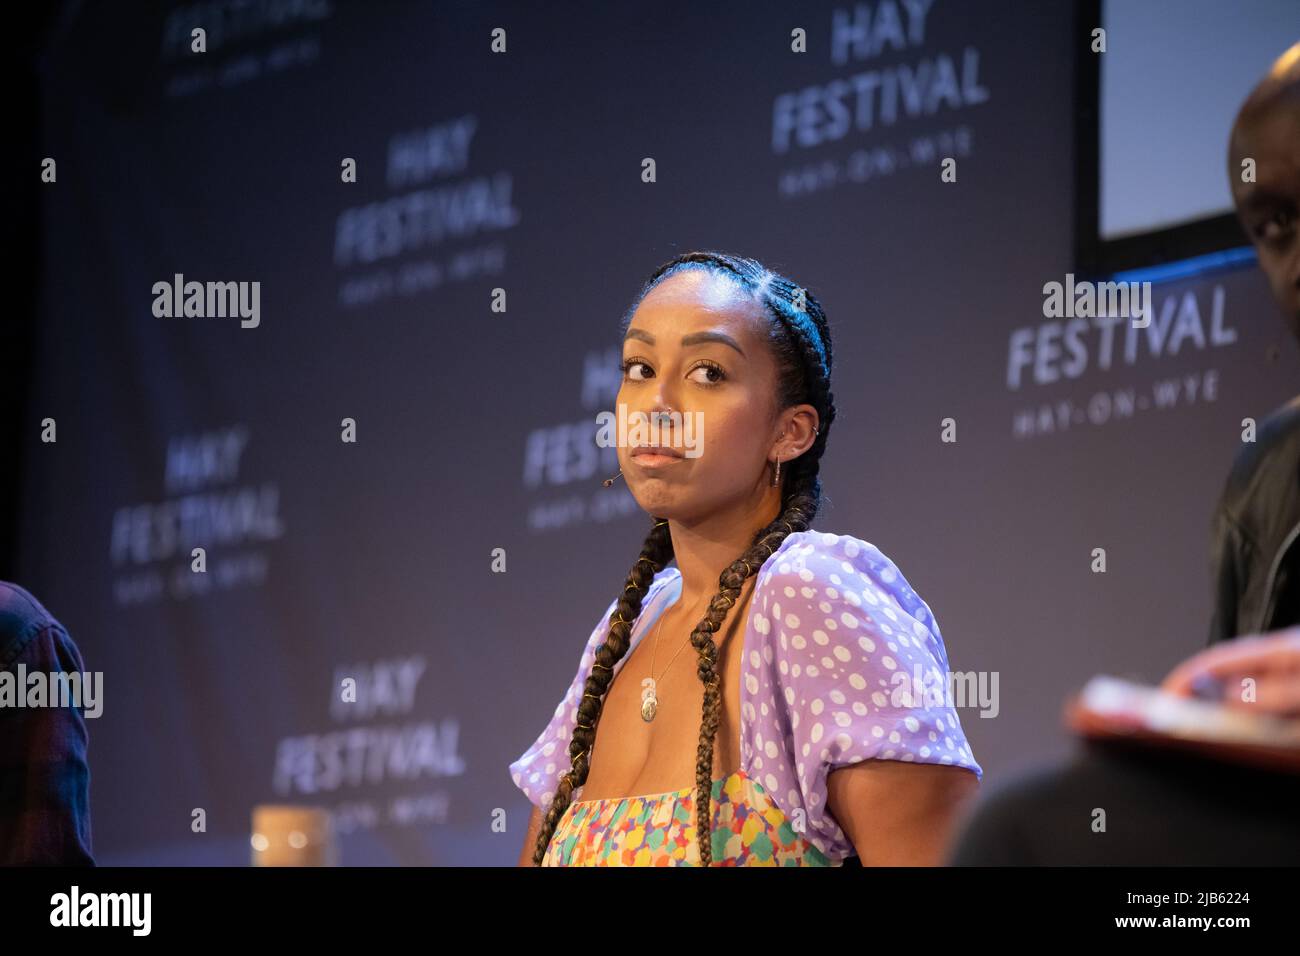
<point x="797" y="515"/>
<point x="656" y="552"/>
<point x="801" y="341"/>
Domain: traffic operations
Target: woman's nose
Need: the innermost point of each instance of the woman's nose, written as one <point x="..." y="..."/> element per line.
<point x="664" y="400"/>
<point x="662" y="411"/>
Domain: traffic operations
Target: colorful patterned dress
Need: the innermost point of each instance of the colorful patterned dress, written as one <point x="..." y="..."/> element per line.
<point x="749" y="829"/>
<point x="841" y="662"/>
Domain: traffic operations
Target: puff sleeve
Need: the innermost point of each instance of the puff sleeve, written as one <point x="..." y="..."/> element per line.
<point x="853" y="668"/>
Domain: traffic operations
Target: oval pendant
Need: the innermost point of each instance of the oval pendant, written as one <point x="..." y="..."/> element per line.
<point x="648" y="707"/>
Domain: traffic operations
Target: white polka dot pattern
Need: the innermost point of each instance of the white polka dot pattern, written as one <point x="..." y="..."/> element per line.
<point x="831" y="664"/>
<point x="834" y="638"/>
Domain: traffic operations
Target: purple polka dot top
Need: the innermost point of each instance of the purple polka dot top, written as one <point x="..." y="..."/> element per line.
<point x="842" y="662"/>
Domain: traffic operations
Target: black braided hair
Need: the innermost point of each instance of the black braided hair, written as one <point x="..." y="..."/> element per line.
<point x="801" y="342"/>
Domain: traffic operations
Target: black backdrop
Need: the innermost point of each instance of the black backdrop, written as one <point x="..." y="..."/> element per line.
<point x="523" y="171"/>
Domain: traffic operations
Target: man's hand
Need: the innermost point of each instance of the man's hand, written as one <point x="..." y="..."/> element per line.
<point x="1271" y="660"/>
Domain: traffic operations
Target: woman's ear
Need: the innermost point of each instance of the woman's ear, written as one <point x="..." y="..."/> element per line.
<point x="798" y="433"/>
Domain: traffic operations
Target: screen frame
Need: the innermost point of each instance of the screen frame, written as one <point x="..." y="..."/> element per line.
<point x="1093" y="254"/>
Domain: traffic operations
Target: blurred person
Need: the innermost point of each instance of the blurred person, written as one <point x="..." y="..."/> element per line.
<point x="44" y="773"/>
<point x="1256" y="532"/>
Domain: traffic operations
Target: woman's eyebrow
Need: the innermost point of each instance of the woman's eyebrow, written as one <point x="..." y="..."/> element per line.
<point x="695" y="338"/>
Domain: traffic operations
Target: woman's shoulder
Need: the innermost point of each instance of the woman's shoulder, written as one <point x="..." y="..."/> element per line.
<point x="818" y="588"/>
<point x="838" y="651"/>
<point x="850" y="566"/>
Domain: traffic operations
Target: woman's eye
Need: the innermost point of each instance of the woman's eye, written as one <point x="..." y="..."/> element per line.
<point x="709" y="370"/>
<point x="629" y="365"/>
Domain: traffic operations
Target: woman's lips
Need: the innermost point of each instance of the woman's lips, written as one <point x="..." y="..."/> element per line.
<point x="655" y="457"/>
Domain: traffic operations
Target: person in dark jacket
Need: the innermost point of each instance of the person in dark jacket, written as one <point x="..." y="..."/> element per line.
<point x="44" y="772"/>
<point x="1256" y="527"/>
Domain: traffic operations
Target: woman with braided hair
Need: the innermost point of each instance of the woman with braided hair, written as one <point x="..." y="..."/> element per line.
<point x="809" y="733"/>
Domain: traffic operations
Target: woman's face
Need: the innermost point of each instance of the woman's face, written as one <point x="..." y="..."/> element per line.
<point x="696" y="346"/>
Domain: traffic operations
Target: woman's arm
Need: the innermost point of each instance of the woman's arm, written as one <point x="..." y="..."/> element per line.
<point x="899" y="813"/>
<point x="530" y="840"/>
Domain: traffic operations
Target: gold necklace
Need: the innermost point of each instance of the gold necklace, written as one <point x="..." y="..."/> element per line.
<point x="649" y="687"/>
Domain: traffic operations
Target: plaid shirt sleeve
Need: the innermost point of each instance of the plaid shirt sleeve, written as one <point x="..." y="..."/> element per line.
<point x="44" y="773"/>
